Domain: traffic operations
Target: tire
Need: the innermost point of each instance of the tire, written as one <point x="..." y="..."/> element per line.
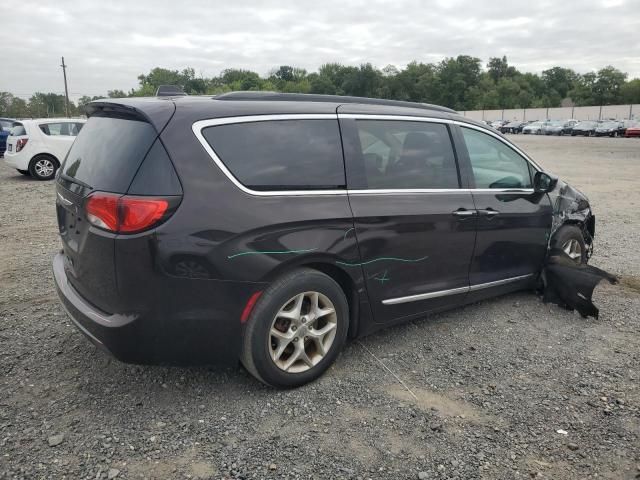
<point x="23" y="172"/>
<point x="260" y="346"/>
<point x="565" y="238"/>
<point x="43" y="167"/>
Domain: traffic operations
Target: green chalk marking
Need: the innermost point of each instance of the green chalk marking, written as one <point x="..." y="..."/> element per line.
<point x="391" y="259"/>
<point x="382" y="279"/>
<point x="266" y="252"/>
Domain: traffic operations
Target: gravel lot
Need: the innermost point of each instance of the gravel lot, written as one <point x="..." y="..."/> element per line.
<point x="504" y="389"/>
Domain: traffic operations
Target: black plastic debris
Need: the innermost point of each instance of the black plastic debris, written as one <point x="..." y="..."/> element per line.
<point x="570" y="285"/>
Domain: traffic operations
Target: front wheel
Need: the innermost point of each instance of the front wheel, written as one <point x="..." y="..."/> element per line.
<point x="43" y="167"/>
<point x="296" y="329"/>
<point x="569" y="238"/>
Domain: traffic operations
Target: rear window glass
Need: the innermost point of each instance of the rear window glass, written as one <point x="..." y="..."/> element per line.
<point x="18" y="130"/>
<point x="107" y="152"/>
<point x="281" y="155"/>
<point x="66" y="128"/>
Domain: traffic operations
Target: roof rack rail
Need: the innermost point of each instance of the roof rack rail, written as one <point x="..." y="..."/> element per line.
<point x="312" y="97"/>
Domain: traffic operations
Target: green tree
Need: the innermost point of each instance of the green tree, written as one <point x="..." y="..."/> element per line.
<point x="608" y="85"/>
<point x="630" y="91"/>
<point x="499" y="68"/>
<point x="559" y="79"/>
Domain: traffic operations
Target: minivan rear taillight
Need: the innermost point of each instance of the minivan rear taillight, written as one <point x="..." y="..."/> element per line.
<point x="128" y="213"/>
<point x="20" y="143"/>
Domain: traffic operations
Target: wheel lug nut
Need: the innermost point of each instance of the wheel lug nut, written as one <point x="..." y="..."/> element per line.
<point x="295" y="339"/>
<point x="294" y="328"/>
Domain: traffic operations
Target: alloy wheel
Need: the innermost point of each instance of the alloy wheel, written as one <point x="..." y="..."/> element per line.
<point x="573" y="249"/>
<point x="302" y="332"/>
<point x="44" y="168"/>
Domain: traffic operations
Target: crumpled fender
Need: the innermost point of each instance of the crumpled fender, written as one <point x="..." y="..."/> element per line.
<point x="571" y="206"/>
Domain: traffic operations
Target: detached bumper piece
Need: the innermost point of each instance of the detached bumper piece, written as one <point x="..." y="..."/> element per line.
<point x="570" y="285"/>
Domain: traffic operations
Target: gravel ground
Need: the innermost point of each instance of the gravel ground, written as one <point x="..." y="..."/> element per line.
<point x="507" y="388"/>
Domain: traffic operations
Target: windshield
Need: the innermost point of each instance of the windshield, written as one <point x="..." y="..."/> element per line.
<point x="586" y="124"/>
<point x="609" y="125"/>
<point x="556" y="123"/>
<point x="536" y="124"/>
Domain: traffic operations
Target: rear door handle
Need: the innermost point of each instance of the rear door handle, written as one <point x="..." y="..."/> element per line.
<point x="489" y="212"/>
<point x="464" y="213"/>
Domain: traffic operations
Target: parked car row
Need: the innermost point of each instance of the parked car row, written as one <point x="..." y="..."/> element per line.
<point x="38" y="147"/>
<point x="600" y="128"/>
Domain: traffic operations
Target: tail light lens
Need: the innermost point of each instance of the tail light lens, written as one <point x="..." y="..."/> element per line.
<point x="20" y="143"/>
<point x="128" y="213"/>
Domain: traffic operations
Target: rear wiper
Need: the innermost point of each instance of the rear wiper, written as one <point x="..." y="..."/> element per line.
<point x="76" y="181"/>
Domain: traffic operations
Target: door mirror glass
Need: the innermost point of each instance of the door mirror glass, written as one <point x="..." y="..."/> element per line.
<point x="543" y="182"/>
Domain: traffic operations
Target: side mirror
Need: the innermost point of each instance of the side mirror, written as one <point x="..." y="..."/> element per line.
<point x="543" y="182"/>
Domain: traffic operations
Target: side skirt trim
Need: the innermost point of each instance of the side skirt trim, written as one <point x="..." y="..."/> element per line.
<point x="454" y="291"/>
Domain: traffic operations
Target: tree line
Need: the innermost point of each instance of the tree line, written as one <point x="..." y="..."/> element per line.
<point x="460" y="83"/>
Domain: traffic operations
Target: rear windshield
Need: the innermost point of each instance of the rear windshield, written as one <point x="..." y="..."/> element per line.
<point x="18" y="130"/>
<point x="107" y="153"/>
<point x="281" y="155"/>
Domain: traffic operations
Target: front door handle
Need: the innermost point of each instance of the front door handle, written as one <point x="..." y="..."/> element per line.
<point x="489" y="212"/>
<point x="464" y="213"/>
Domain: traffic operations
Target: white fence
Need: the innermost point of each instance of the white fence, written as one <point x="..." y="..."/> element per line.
<point x="618" y="112"/>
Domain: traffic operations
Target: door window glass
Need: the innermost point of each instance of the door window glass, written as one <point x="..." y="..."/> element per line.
<point x="494" y="164"/>
<point x="281" y="155"/>
<point x="404" y="154"/>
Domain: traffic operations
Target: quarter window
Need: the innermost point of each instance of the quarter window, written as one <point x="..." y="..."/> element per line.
<point x="405" y="155"/>
<point x="281" y="154"/>
<point x="494" y="164"/>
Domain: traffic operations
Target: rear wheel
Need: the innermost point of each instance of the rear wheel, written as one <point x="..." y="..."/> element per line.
<point x="569" y="238"/>
<point x="43" y="167"/>
<point x="296" y="329"/>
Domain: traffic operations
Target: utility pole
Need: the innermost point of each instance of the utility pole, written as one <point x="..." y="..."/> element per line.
<point x="66" y="90"/>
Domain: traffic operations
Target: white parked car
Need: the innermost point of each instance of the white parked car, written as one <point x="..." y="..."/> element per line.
<point x="38" y="147"/>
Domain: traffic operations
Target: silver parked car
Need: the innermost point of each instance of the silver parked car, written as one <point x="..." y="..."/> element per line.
<point x="534" y="128"/>
<point x="553" y="128"/>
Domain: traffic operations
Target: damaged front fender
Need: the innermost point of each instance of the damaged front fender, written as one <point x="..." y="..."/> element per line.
<point x="570" y="206"/>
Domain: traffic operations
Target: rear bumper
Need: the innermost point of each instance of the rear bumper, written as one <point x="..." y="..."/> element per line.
<point x="16" y="160"/>
<point x="156" y="337"/>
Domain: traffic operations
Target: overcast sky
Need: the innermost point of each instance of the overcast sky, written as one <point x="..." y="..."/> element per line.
<point x="108" y="43"/>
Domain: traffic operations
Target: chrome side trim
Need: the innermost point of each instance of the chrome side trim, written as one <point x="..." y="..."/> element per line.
<point x="198" y="126"/>
<point x="497" y="283"/>
<point x="425" y="296"/>
<point x="453" y="291"/>
<point x="408" y="191"/>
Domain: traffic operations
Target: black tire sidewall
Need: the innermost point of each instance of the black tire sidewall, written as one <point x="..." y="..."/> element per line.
<point x="32" y="167"/>
<point x="256" y="356"/>
<point x="570" y="232"/>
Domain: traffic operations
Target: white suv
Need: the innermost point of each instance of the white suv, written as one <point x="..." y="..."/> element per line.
<point x="38" y="147"/>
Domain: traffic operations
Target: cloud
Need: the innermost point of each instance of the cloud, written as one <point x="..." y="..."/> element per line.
<point x="108" y="44"/>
